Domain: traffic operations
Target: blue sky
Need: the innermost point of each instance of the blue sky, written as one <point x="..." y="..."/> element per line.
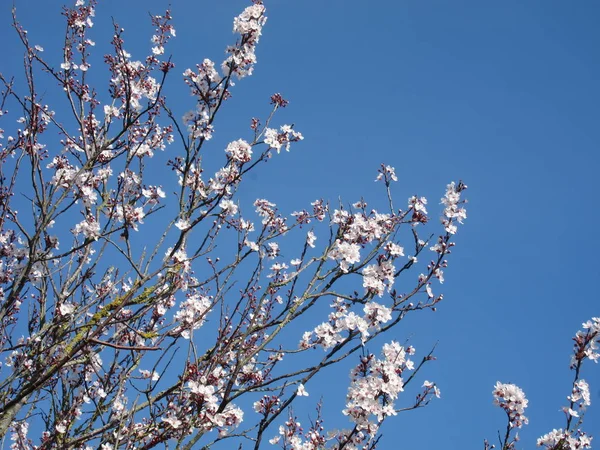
<point x="503" y="95"/>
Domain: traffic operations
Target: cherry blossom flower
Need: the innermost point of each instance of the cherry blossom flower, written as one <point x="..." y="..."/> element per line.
<point x="310" y="239"/>
<point x="229" y="207"/>
<point x="377" y="276"/>
<point x="301" y="391"/>
<point x="239" y="151"/>
<point x="581" y="393"/>
<point x="89" y="227"/>
<point x="512" y="399"/>
<point x="388" y="173"/>
<point x="153" y="194"/>
<point x="586" y="342"/>
<point x="242" y="58"/>
<point x="182" y="224"/>
<point x="453" y="211"/>
<point x="130" y="215"/>
<point x="172" y="420"/>
<point x="192" y="314"/>
<point x="283" y="138"/>
<point x="429" y="385"/>
<point x="376" y="384"/>
<point x="346" y="253"/>
<point x="574" y="441"/>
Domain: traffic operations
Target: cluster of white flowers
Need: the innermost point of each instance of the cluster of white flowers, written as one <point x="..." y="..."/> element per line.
<point x="585" y="347"/>
<point x="83" y="17"/>
<point x="319" y="210"/>
<point x="586" y="342"/>
<point x="270" y="216"/>
<point x="119" y="405"/>
<point x="267" y="404"/>
<point x="193" y="180"/>
<point x="111" y="111"/>
<point x="164" y="32"/>
<point x="205" y="85"/>
<point x="578" y="440"/>
<point x="192" y="314"/>
<point x="229" y="207"/>
<point x="201" y="82"/>
<point x="265" y="209"/>
<point x="581" y="393"/>
<point x="346" y="253"/>
<point x="153" y="194"/>
<point x="511" y="398"/>
<point x="283" y="138"/>
<point x="239" y="151"/>
<point x="130" y="182"/>
<point x="130" y="215"/>
<point x="149" y="139"/>
<point x="132" y="77"/>
<point x="272" y="250"/>
<point x="198" y="122"/>
<point x="394" y="249"/>
<point x="223" y="179"/>
<point x="363" y="228"/>
<point x="207" y="394"/>
<point x="342" y="320"/>
<point x="377" y="276"/>
<point x="89" y="227"/>
<point x="418" y="204"/>
<point x="376" y="384"/>
<point x="580" y="398"/>
<point x="357" y="230"/>
<point x="310" y="239"/>
<point x="19" y="435"/>
<point x="453" y="211"/>
<point x="12" y="255"/>
<point x="386" y="173"/>
<point x="68" y="176"/>
<point x="242" y="57"/>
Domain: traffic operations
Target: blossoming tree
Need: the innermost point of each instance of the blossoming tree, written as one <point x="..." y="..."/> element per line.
<point x="132" y="318"/>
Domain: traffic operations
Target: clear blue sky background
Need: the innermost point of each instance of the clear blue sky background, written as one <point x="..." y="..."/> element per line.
<point x="504" y="95"/>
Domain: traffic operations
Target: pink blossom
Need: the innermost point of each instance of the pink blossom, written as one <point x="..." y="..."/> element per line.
<point x="512" y="399"/>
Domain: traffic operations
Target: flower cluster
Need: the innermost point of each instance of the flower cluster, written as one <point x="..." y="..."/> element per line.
<point x="164" y="32"/>
<point x="511" y="399"/>
<point x="355" y="231"/>
<point x="377" y="276"/>
<point x="293" y="436"/>
<point x="283" y="138"/>
<point x="342" y="321"/>
<point x="559" y="439"/>
<point x="199" y="407"/>
<point x="239" y="151"/>
<point x="267" y="405"/>
<point x="386" y="173"/>
<point x="242" y="57"/>
<point x="206" y="87"/>
<point x="83" y="182"/>
<point x="586" y="343"/>
<point x="89" y="227"/>
<point x="347" y="253"/>
<point x="192" y="314"/>
<point x="132" y="83"/>
<point x="453" y="211"/>
<point x="376" y="384"/>
<point x="19" y="436"/>
<point x="585" y="347"/>
<point x="271" y="219"/>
